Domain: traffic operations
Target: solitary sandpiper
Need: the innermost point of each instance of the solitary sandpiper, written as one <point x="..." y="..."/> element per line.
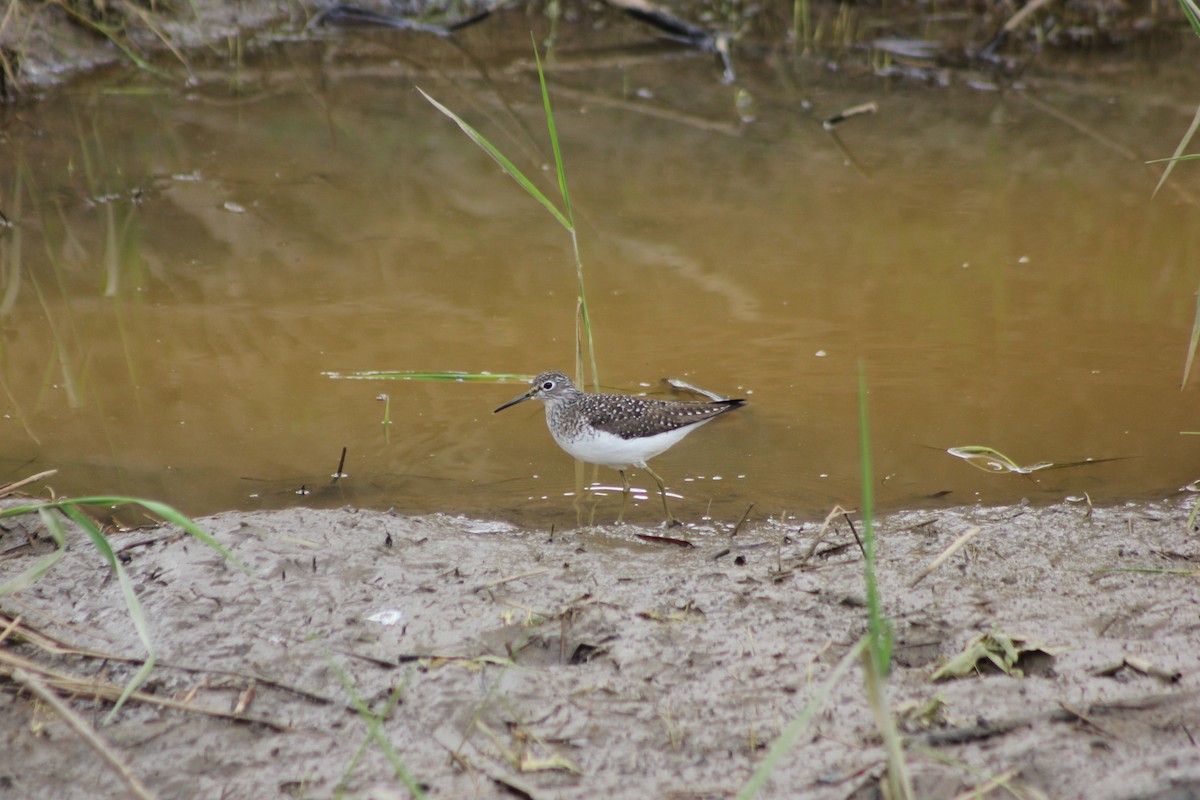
<point x="617" y="430"/>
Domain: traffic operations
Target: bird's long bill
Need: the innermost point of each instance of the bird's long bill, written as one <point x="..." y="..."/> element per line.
<point x="514" y="401"/>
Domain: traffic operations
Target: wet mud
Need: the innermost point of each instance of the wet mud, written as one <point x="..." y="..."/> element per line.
<point x="597" y="663"/>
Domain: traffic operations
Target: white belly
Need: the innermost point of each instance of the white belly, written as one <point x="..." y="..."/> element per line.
<point x="614" y="452"/>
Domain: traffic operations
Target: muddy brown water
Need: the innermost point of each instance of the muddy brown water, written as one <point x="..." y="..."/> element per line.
<point x="186" y="265"/>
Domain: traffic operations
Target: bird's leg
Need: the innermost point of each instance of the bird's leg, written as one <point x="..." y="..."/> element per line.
<point x="584" y="498"/>
<point x="624" y="496"/>
<point x="662" y="490"/>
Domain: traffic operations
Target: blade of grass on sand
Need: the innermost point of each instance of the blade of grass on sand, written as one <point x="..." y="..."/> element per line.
<point x="877" y="658"/>
<point x="161" y="509"/>
<point x="84" y="729"/>
<point x="71" y="508"/>
<point x="100" y="542"/>
<point x="375" y="729"/>
<point x="53" y="523"/>
<point x="110" y="33"/>
<point x="373" y="721"/>
<point x="789" y="735"/>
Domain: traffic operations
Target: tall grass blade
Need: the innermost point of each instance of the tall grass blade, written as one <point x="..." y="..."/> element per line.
<point x="792" y="732"/>
<point x="1183" y="143"/>
<point x="502" y="160"/>
<point x="877" y="625"/>
<point x="583" y="323"/>
<point x="109" y="32"/>
<point x="878" y="656"/>
<point x="375" y="730"/>
<point x="583" y="327"/>
<point x="1195" y="340"/>
<point x="559" y="170"/>
<point x="1191" y="10"/>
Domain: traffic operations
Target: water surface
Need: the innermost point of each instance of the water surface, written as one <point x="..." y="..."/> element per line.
<point x="185" y="265"/>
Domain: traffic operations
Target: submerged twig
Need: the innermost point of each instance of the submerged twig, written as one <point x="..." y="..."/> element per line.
<point x="338" y="474"/>
<point x="9" y="488"/>
<point x="742" y="521"/>
<point x="849" y="113"/>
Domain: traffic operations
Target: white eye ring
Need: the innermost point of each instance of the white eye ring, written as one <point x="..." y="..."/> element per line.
<point x="547" y="386"/>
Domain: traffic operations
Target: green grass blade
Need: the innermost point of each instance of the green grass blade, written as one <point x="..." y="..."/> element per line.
<point x="1191" y="10"/>
<point x="110" y="33"/>
<point x="71" y="508"/>
<point x="374" y="724"/>
<point x="31" y="576"/>
<point x="787" y="739"/>
<point x="176" y="518"/>
<point x="136" y="614"/>
<point x="1191" y="353"/>
<point x="161" y="509"/>
<point x="584" y="340"/>
<point x="1183" y="143"/>
<point x="1190" y="157"/>
<point x="583" y="323"/>
<point x="877" y="659"/>
<point x="558" y="162"/>
<point x="502" y="160"/>
<point x="877" y="626"/>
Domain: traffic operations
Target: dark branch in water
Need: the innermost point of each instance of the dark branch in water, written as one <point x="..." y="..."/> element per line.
<point x="348" y="16"/>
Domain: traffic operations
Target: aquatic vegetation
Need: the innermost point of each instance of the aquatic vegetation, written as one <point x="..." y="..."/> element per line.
<point x="584" y="341"/>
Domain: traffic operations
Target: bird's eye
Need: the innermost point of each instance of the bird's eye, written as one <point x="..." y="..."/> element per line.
<point x="547" y="386"/>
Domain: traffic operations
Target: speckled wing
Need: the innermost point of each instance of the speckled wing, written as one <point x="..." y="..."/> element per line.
<point x="635" y="417"/>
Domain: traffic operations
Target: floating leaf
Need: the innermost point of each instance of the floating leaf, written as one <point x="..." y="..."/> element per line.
<point x="990" y="460"/>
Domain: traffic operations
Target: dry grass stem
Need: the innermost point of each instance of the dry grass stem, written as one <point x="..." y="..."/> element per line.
<point x="946" y="554"/>
<point x="86" y="732"/>
<point x="96" y="689"/>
